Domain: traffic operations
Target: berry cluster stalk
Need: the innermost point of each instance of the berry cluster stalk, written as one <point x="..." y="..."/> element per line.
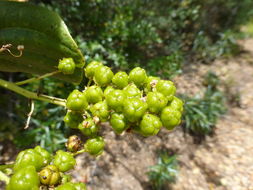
<point x="31" y="95"/>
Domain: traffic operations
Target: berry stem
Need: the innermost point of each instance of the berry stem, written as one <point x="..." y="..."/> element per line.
<point x="4" y="177"/>
<point x="37" y="78"/>
<point x="89" y="82"/>
<point x="79" y="152"/>
<point x="31" y="95"/>
<point x="6" y="166"/>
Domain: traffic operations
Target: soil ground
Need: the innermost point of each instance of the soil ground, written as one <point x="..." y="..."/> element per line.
<point x="222" y="162"/>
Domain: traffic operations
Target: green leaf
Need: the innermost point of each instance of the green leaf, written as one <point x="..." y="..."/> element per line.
<point x="45" y="38"/>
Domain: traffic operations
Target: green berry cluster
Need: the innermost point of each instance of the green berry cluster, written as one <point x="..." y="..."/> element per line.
<point x="35" y="168"/>
<point x="130" y="102"/>
<point x="66" y="66"/>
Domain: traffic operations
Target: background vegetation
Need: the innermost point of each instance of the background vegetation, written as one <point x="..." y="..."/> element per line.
<point x="160" y="35"/>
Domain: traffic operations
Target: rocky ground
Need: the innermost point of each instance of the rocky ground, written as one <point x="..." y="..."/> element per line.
<point x="222" y="162"/>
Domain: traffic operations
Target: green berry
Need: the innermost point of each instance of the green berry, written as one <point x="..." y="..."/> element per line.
<point x="29" y="157"/>
<point x="167" y="88"/>
<point x="67" y="66"/>
<point x="138" y="76"/>
<point x="170" y="117"/>
<point x="150" y="125"/>
<point x="151" y="83"/>
<point x="156" y="102"/>
<point x="64" y="161"/>
<point x="24" y="179"/>
<point x="108" y="90"/>
<point x="72" y="186"/>
<point x="50" y="175"/>
<point x="134" y="109"/>
<point x="103" y="76"/>
<point x="94" y="94"/>
<point x="95" y="146"/>
<point x="65" y="178"/>
<point x="120" y="79"/>
<point x="177" y="104"/>
<point x="91" y="69"/>
<point x="76" y="101"/>
<point x="66" y="186"/>
<point x="131" y="91"/>
<point x="73" y="119"/>
<point x="100" y="110"/>
<point x="47" y="157"/>
<point x="88" y="127"/>
<point x="115" y="100"/>
<point x="80" y="186"/>
<point x="118" y="122"/>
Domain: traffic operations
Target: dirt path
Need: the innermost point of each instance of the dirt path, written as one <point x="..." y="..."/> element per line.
<point x="223" y="162"/>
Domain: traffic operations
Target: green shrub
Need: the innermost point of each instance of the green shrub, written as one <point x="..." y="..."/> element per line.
<point x="164" y="172"/>
<point x="201" y="113"/>
<point x="128" y="33"/>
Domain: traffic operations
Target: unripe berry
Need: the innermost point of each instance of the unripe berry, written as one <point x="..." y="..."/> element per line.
<point x="150" y="125"/>
<point x="72" y="119"/>
<point x="108" y="90"/>
<point x="64" y="161"/>
<point x="66" y="186"/>
<point x="138" y="76"/>
<point x="50" y="175"/>
<point x="65" y="178"/>
<point x="100" y="110"/>
<point x="118" y="122"/>
<point x="29" y="157"/>
<point x="103" y="76"/>
<point x="167" y="88"/>
<point x="132" y="91"/>
<point x="94" y="94"/>
<point x="115" y="100"/>
<point x="25" y="178"/>
<point x="134" y="109"/>
<point x="72" y="186"/>
<point x="67" y="66"/>
<point x="95" y="146"/>
<point x="177" y="104"/>
<point x="91" y="69"/>
<point x="170" y="117"/>
<point x="80" y="186"/>
<point x="120" y="79"/>
<point x="77" y="101"/>
<point x="156" y="101"/>
<point x="88" y="127"/>
<point x="47" y="157"/>
<point x="151" y="83"/>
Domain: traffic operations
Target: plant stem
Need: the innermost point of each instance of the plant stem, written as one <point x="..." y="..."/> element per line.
<point x="37" y="78"/>
<point x="4" y="177"/>
<point x="89" y="82"/>
<point x="79" y="152"/>
<point x="3" y="167"/>
<point x="31" y="95"/>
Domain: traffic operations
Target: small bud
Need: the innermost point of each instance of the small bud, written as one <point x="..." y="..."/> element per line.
<point x="74" y="143"/>
<point x="96" y="119"/>
<point x="153" y="83"/>
<point x="65" y="178"/>
<point x="20" y="47"/>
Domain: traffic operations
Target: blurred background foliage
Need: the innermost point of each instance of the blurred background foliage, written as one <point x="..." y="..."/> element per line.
<point x="164" y="172"/>
<point x="159" y="35"/>
<point x="202" y="112"/>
